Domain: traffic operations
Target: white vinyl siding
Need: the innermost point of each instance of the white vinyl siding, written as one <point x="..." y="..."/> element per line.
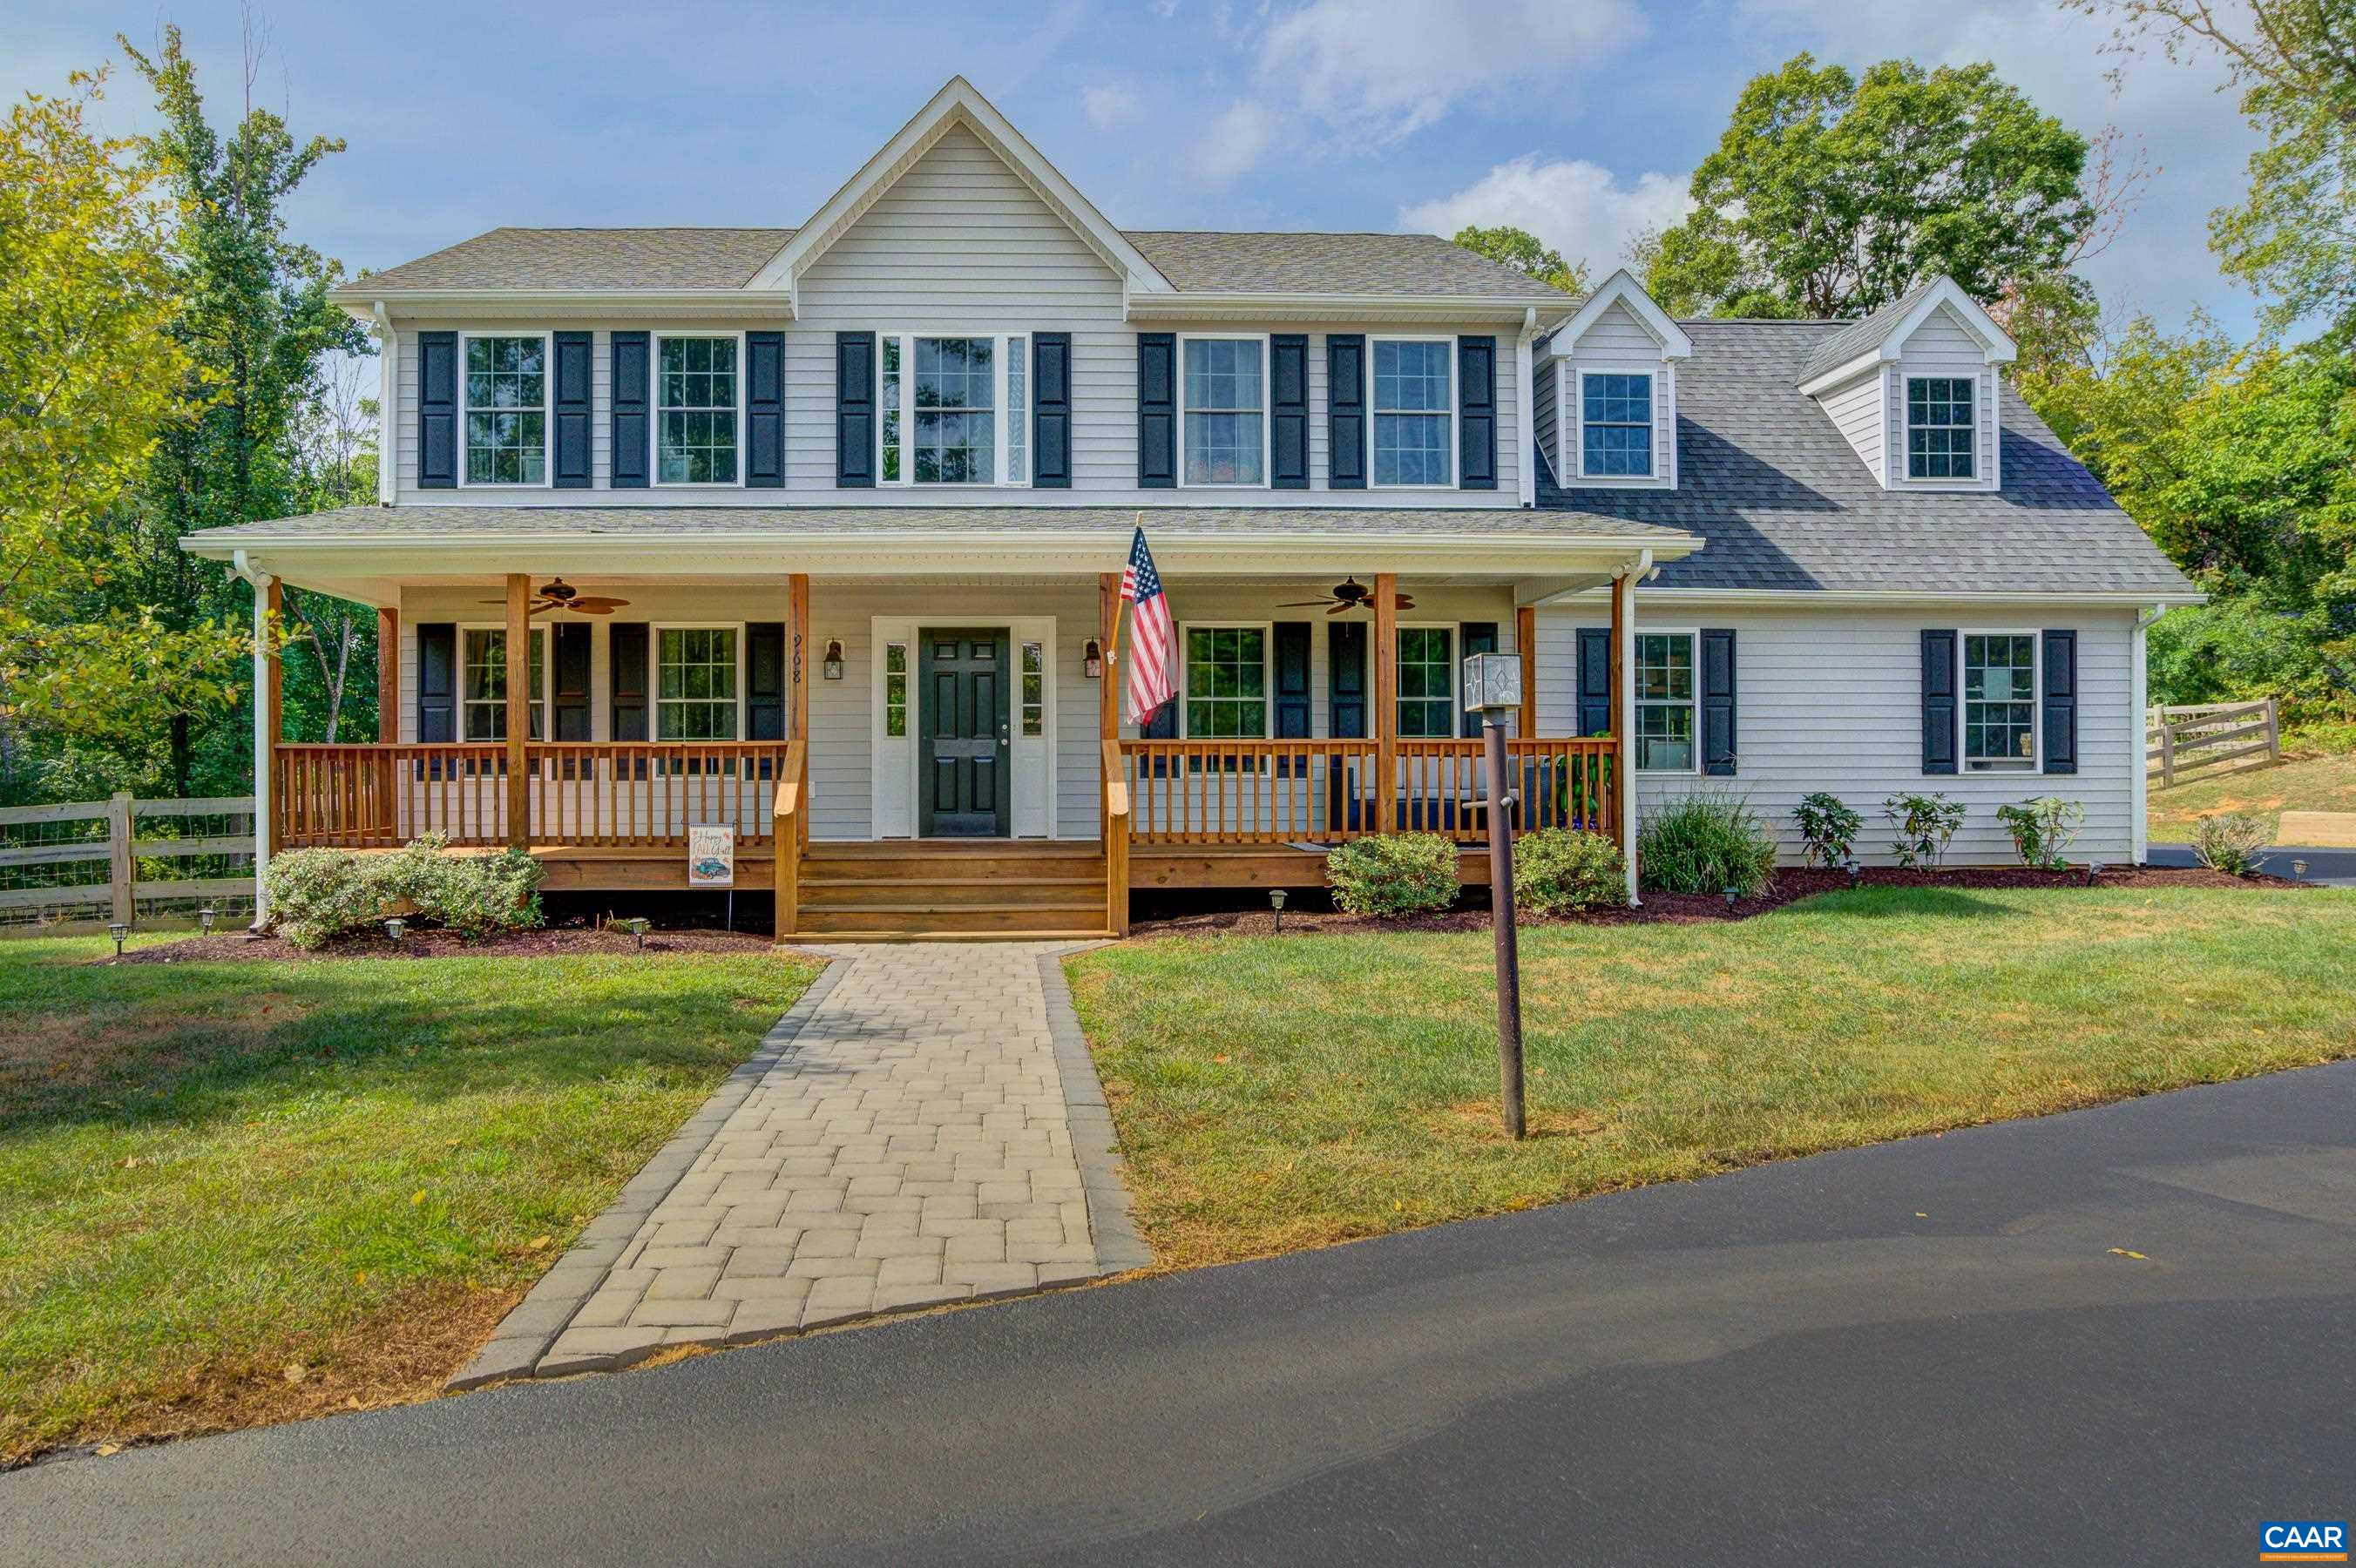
<point x="1831" y="698"/>
<point x="1942" y="347"/>
<point x="1542" y="419"/>
<point x="1615" y="342"/>
<point x="1855" y="411"/>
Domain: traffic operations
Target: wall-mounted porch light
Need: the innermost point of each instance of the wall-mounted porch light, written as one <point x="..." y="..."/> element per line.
<point x="1092" y="659"/>
<point x="831" y="665"/>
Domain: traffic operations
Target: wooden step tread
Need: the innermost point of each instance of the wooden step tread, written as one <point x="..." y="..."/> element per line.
<point x="925" y="906"/>
<point x="952" y="848"/>
<point x="809" y="881"/>
<point x="1073" y="935"/>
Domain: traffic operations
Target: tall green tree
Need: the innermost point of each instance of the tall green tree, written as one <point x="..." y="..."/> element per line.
<point x="256" y="327"/>
<point x="1525" y="253"/>
<point x="1830" y="195"/>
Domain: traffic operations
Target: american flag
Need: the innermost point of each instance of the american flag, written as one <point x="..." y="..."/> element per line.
<point x="1152" y="635"/>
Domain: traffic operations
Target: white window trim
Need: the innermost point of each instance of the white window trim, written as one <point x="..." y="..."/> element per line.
<point x="1267" y="414"/>
<point x="1978" y="478"/>
<point x="547" y="408"/>
<point x="1652" y="377"/>
<point x="655" y="410"/>
<point x="1964" y="768"/>
<point x="654" y="677"/>
<point x="1002" y="414"/>
<point x="1375" y="410"/>
<point x="1267" y="629"/>
<point x="1636" y="703"/>
<point x="547" y="675"/>
<point x="1455" y="630"/>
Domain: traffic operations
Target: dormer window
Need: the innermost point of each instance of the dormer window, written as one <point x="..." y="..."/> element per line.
<point x="1615" y="424"/>
<point x="1939" y="427"/>
<point x="506" y="419"/>
<point x="954" y="409"/>
<point x="696" y="410"/>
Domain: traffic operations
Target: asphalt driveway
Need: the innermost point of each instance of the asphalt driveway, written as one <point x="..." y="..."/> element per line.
<point x="2325" y="868"/>
<point x="1943" y="1350"/>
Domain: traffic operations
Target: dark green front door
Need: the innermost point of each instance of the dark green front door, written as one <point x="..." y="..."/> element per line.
<point x="963" y="752"/>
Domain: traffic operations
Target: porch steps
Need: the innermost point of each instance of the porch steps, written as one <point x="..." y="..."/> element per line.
<point x="968" y="890"/>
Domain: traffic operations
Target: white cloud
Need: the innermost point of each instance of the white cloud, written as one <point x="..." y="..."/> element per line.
<point x="1386" y="69"/>
<point x="1233" y="143"/>
<point x="1578" y="208"/>
<point x="1109" y="105"/>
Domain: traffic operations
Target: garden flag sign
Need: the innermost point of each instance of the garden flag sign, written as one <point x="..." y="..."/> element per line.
<point x="1152" y="635"/>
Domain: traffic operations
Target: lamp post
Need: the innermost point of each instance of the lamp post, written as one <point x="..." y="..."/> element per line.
<point x="1493" y="688"/>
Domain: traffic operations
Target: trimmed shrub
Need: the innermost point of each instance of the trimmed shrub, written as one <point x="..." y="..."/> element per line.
<point x="317" y="895"/>
<point x="2233" y="843"/>
<point x="2042" y="829"/>
<point x="1393" y="874"/>
<point x="1705" y="844"/>
<point x="1828" y="829"/>
<point x="1557" y="869"/>
<point x="1923" y="826"/>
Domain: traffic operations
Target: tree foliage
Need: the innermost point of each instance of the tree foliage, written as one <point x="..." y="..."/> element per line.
<point x="1525" y="253"/>
<point x="1830" y="195"/>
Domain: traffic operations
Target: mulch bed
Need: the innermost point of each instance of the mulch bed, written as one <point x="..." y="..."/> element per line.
<point x="1683" y="909"/>
<point x="557" y="942"/>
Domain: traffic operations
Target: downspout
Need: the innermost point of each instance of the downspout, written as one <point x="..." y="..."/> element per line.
<point x="1529" y="406"/>
<point x="1623" y="723"/>
<point x="262" y="736"/>
<point x="2139" y="792"/>
<point x="388" y="390"/>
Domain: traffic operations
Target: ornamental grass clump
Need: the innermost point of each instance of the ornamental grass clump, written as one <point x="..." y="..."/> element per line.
<point x="1393" y="874"/>
<point x="1559" y="871"/>
<point x="2234" y="843"/>
<point x="1706" y="844"/>
<point x="317" y="895"/>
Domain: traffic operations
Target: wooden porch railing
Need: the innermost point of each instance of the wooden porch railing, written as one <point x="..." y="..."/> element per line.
<point x="605" y="793"/>
<point x="1276" y="792"/>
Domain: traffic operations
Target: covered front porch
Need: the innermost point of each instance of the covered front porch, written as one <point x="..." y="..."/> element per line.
<point x="941" y="751"/>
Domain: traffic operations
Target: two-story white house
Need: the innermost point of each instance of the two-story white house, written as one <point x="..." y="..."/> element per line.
<point x="817" y="533"/>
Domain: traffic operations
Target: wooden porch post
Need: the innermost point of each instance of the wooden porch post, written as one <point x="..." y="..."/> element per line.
<point x="1109" y="733"/>
<point x="519" y="633"/>
<point x="797" y="694"/>
<point x="388" y="677"/>
<point x="1525" y="644"/>
<point x="274" y="705"/>
<point x="1385" y="702"/>
<point x="1108" y="689"/>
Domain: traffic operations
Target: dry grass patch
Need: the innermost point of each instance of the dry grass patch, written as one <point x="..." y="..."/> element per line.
<point x="2301" y="784"/>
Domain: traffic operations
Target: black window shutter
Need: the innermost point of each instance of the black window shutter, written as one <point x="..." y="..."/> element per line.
<point x="854" y="411"/>
<point x="1291" y="681"/>
<point x="570" y="468"/>
<point x="1346" y="679"/>
<point x="1479" y="637"/>
<point x="1051" y="410"/>
<point x="1595" y="680"/>
<point x="437" y="682"/>
<point x="1345" y="411"/>
<point x="765" y="411"/>
<point x="572" y="714"/>
<point x="1939" y="702"/>
<point x="1157" y="410"/>
<point x="629" y="469"/>
<point x="625" y="655"/>
<point x="1476" y="413"/>
<point x="1717" y="702"/>
<point x="2060" y="702"/>
<point x="1288" y="403"/>
<point x="437" y="410"/>
<point x="764" y="680"/>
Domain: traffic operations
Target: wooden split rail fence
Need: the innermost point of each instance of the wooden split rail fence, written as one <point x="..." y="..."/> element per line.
<point x="122" y="850"/>
<point x="2182" y="741"/>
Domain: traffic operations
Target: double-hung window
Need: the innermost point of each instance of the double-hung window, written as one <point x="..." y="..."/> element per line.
<point x="695" y="683"/>
<point x="955" y="409"/>
<point x="1999" y="706"/>
<point x="506" y="392"/>
<point x="1414" y="414"/>
<point x="1427" y="682"/>
<point x="1223" y="387"/>
<point x="1665" y="702"/>
<point x="696" y="406"/>
<point x="485" y="684"/>
<point x="1939" y="429"/>
<point x="1227" y="682"/>
<point x="1615" y="424"/>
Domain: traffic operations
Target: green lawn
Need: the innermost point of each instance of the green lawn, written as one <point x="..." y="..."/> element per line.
<point x="2303" y="783"/>
<point x="1280" y="1092"/>
<point x="244" y="1192"/>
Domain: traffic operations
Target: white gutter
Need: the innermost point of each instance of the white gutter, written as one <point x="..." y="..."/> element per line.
<point x="388" y="384"/>
<point x="263" y="739"/>
<point x="1268" y="305"/>
<point x="1528" y="433"/>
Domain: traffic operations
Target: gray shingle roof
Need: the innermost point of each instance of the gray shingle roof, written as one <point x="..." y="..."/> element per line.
<point x="1785" y="503"/>
<point x="1193" y="262"/>
<point x="1858" y="337"/>
<point x="425" y="522"/>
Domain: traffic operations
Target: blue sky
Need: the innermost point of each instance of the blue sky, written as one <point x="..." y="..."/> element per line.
<point x="1579" y="119"/>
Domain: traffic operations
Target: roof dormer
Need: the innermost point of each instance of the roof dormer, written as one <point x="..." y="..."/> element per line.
<point x="1912" y="389"/>
<point x="1606" y="392"/>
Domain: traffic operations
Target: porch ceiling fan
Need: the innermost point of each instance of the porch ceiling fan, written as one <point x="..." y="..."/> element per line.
<point x="1347" y="595"/>
<point x="561" y="595"/>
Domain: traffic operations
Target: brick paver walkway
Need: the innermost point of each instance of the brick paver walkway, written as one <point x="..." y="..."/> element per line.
<point x="910" y="1144"/>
